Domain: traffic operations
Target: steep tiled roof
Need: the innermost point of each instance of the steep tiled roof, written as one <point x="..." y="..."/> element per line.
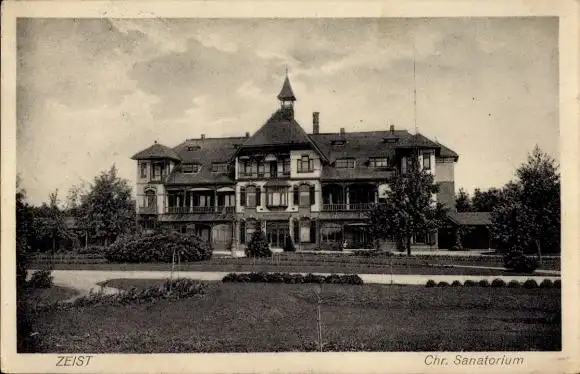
<point x="446" y="152"/>
<point x="417" y="140"/>
<point x="204" y="152"/>
<point x="470" y="218"/>
<point x="278" y="130"/>
<point x="156" y="151"/>
<point x="286" y="92"/>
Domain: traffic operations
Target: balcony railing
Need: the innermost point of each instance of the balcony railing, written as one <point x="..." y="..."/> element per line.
<point x="199" y="209"/>
<point x="347" y="207"/>
<point x="265" y="175"/>
<point x="147" y="209"/>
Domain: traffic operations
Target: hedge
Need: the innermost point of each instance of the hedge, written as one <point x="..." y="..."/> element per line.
<point x="288" y="278"/>
<point x="158" y="248"/>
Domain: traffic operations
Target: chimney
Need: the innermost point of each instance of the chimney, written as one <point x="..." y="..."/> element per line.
<point x="315" y="122"/>
<point x="342" y="131"/>
<point x="392" y="129"/>
<point x="202" y="136"/>
<point x="247" y="134"/>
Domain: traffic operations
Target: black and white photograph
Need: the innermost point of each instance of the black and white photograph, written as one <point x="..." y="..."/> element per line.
<point x="292" y="185"/>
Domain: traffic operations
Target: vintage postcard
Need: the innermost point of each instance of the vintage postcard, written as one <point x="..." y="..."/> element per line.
<point x="215" y="187"/>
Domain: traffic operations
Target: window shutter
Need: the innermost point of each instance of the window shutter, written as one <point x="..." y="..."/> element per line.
<point x="242" y="232"/>
<point x="312" y="231"/>
<point x="296" y="196"/>
<point x="312" y="196"/>
<point x="296" y="231"/>
<point x="243" y="196"/>
<point x="258" y="196"/>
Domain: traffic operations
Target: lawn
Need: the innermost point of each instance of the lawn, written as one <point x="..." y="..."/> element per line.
<point x="37" y="296"/>
<point x="237" y="317"/>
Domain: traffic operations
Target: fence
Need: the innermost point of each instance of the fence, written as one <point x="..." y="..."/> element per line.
<point x="66" y="258"/>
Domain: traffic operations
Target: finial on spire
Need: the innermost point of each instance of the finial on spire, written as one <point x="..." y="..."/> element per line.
<point x="286" y="66"/>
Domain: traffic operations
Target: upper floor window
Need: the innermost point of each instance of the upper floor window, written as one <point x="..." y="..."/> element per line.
<point x="193" y="148"/>
<point x="158" y="170"/>
<point x="305" y="164"/>
<point x="426" y="161"/>
<point x="219" y="168"/>
<point x="286" y="166"/>
<point x="190" y="168"/>
<point x="379" y="162"/>
<point x="261" y="168"/>
<point x="250" y="196"/>
<point x="144" y="170"/>
<point x="277" y="196"/>
<point x="304" y="195"/>
<point x="344" y="163"/>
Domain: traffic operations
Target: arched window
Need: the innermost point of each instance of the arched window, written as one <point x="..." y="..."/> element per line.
<point x="150" y="198"/>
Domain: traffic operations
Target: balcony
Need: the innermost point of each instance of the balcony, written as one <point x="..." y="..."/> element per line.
<point x="147" y="209"/>
<point x="357" y="207"/>
<point x="199" y="209"/>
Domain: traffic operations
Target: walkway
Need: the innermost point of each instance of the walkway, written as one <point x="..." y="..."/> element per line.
<point x="86" y="280"/>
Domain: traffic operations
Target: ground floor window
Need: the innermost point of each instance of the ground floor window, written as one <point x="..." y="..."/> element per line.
<point x="222" y="233"/>
<point x="247" y="228"/>
<point x="277" y="233"/>
<point x="331" y="233"/>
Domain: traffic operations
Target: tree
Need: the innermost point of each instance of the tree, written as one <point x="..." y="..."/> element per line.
<point x="463" y="202"/>
<point x="107" y="208"/>
<point x="485" y="201"/>
<point x="528" y="215"/>
<point x="24" y="225"/>
<point x="50" y="223"/>
<point x="409" y="208"/>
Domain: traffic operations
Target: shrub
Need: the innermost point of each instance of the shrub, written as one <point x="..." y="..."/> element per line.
<point x="557" y="283"/>
<point x="498" y="283"/>
<point x="41" y="279"/>
<point x="530" y="283"/>
<point x="514" y="284"/>
<point x="291" y="278"/>
<point x="483" y="283"/>
<point x="456" y="283"/>
<point x="546" y="283"/>
<point x="158" y="248"/>
<point x="90" y="250"/>
<point x="258" y="245"/>
<point x="442" y="284"/>
<point x="469" y="283"/>
<point x="430" y="283"/>
<point x="289" y="244"/>
<point x="518" y="262"/>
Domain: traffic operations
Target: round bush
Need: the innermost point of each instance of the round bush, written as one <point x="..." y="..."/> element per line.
<point x="520" y="263"/>
<point x="498" y="283"/>
<point x="41" y="279"/>
<point x="258" y="245"/>
<point x="469" y="283"/>
<point x="483" y="283"/>
<point x="456" y="283"/>
<point x="442" y="284"/>
<point x="430" y="283"/>
<point x="158" y="248"/>
<point x="557" y="283"/>
<point x="546" y="283"/>
<point x="530" y="283"/>
<point x="514" y="284"/>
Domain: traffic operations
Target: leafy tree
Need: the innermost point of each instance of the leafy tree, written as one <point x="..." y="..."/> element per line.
<point x="409" y="208"/>
<point x="24" y="227"/>
<point x="107" y="207"/>
<point x="463" y="202"/>
<point x="527" y="217"/>
<point x="485" y="201"/>
<point x="50" y="223"/>
<point x="258" y="245"/>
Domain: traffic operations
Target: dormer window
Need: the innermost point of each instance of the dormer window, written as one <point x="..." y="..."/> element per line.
<point x="345" y="163"/>
<point x="190" y="168"/>
<point x="390" y="140"/>
<point x="219" y="168"/>
<point x="192" y="148"/>
<point x="338" y="142"/>
<point x="379" y="162"/>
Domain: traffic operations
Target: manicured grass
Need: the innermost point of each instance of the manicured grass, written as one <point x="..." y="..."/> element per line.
<point x="236" y="317"/>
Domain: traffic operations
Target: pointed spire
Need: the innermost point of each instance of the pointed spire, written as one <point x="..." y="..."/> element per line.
<point x="286" y="94"/>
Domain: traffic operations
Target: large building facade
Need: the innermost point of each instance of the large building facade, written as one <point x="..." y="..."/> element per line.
<point x="314" y="188"/>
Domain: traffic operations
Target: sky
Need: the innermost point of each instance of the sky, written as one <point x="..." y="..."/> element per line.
<point x="93" y="92"/>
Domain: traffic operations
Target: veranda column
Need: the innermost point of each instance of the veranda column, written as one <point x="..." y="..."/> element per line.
<point x="215" y="202"/>
<point x="235" y="237"/>
<point x="347" y="197"/>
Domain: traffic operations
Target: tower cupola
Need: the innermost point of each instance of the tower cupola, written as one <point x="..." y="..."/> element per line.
<point x="287" y="98"/>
